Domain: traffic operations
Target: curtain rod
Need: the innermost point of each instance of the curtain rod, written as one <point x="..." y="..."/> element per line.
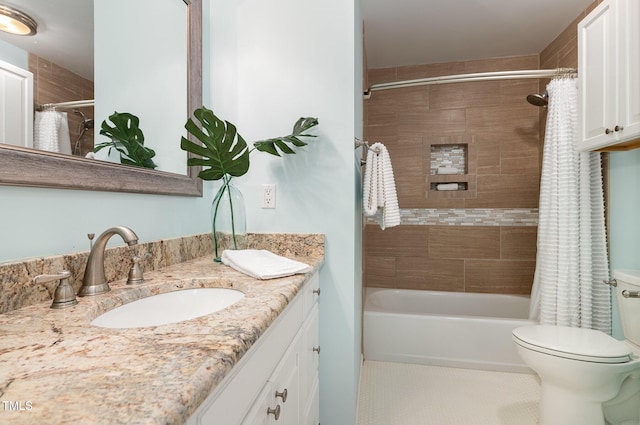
<point x="66" y="105"/>
<point x="478" y="76"/>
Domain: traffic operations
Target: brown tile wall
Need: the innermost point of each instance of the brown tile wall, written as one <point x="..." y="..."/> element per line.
<point x="501" y="132"/>
<point x="492" y="259"/>
<point x="504" y="134"/>
<point x="53" y="84"/>
<point x="493" y="118"/>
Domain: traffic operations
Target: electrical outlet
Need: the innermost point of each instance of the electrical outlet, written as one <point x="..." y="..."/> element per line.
<point x="268" y="196"/>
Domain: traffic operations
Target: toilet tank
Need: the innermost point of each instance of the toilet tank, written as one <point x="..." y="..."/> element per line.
<point x="629" y="280"/>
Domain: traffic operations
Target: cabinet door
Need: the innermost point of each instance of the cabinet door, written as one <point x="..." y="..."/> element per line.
<point x="285" y="386"/>
<point x="597" y="73"/>
<point x="312" y="409"/>
<point x="311" y="347"/>
<point x="259" y="413"/>
<point x="629" y="68"/>
<point x="310" y="373"/>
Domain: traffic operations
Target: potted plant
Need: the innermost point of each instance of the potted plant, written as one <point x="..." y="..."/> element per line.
<point x="127" y="138"/>
<point x="224" y="154"/>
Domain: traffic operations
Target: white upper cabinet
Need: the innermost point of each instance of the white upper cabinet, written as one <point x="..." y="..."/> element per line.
<point x="609" y="77"/>
<point x="629" y="99"/>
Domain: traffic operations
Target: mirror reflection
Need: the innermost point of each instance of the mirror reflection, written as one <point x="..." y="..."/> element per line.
<point x="59" y="57"/>
<point x="140" y="61"/>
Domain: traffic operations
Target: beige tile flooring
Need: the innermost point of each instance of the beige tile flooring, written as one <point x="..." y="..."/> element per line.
<point x="410" y="394"/>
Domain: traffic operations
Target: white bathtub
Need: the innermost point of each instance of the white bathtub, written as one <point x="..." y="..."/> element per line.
<point x="444" y="328"/>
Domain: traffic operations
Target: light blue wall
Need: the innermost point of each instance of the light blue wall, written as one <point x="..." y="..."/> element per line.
<point x="41" y="222"/>
<point x="624" y="205"/>
<point x="150" y="67"/>
<point x="273" y="62"/>
<point x="624" y="174"/>
<point x="14" y="55"/>
<point x="357" y="182"/>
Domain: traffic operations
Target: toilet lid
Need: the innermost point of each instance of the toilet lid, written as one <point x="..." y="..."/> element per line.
<point x="573" y="343"/>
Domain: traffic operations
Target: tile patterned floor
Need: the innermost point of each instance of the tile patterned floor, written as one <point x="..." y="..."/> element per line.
<point x="410" y="394"/>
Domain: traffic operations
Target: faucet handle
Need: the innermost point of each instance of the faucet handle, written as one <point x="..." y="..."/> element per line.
<point x="64" y="295"/>
<point x="135" y="272"/>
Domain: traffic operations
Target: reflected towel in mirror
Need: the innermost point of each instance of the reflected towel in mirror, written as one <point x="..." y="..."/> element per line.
<point x="51" y="132"/>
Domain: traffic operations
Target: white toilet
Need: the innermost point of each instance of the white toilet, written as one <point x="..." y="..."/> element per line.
<point x="588" y="377"/>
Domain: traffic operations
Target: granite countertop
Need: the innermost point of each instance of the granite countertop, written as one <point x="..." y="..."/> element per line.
<point x="56" y="368"/>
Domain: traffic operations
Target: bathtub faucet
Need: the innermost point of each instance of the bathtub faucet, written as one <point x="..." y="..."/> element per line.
<point x="95" y="282"/>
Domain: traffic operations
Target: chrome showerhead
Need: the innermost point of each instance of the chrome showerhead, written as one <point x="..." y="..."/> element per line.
<point x="86" y="124"/>
<point x="539" y="99"/>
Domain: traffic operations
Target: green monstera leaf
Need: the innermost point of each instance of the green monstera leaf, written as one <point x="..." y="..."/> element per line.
<point x="223" y="150"/>
<point x="280" y="143"/>
<point x="127" y="138"/>
<point x="225" y="153"/>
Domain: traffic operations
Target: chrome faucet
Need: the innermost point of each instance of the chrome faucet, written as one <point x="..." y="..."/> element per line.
<point x="95" y="282"/>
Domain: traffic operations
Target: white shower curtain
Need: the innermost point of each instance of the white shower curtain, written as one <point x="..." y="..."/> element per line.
<point x="572" y="257"/>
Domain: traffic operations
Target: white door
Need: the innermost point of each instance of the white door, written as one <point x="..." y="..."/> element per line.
<point x="16" y="105"/>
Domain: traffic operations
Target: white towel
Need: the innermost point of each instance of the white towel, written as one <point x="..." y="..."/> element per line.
<point x="379" y="190"/>
<point x="262" y="264"/>
<point x="51" y="132"/>
<point x="447" y="186"/>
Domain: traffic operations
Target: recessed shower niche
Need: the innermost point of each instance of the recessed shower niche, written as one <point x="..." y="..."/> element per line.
<point x="452" y="167"/>
<point x="448" y="159"/>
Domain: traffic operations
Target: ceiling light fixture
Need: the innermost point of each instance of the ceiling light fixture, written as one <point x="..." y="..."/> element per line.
<point x="15" y="22"/>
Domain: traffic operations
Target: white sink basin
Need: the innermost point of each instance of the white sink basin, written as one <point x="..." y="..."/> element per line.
<point x="170" y="307"/>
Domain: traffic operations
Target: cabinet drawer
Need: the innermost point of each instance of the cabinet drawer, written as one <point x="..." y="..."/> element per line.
<point x="311" y="293"/>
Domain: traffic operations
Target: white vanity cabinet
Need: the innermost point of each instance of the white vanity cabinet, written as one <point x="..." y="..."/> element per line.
<point x="276" y="381"/>
<point x="609" y="77"/>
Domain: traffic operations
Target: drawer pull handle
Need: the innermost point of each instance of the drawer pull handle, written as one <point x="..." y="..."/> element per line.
<point x="282" y="395"/>
<point x="317" y="291"/>
<point x="317" y="349"/>
<point x="275" y="412"/>
<point x="618" y="128"/>
<point x="607" y="131"/>
<point x="610" y="282"/>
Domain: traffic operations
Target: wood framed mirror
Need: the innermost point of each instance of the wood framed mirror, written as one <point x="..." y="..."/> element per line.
<point x="21" y="166"/>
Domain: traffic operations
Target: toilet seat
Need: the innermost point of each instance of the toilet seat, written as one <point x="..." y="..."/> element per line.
<point x="573" y="343"/>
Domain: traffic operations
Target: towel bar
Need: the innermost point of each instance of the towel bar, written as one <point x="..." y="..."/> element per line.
<point x="366" y="146"/>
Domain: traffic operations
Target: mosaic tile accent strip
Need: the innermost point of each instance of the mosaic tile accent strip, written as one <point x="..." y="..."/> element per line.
<point x="466" y="217"/>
